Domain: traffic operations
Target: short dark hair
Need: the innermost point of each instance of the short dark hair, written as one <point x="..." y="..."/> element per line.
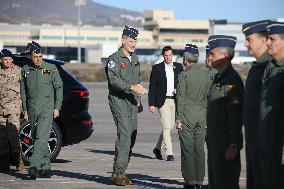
<point x="263" y="34"/>
<point x="166" y="48"/>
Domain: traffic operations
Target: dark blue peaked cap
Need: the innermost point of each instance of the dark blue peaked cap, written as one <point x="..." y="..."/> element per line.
<point x="193" y="49"/>
<point x="222" y="41"/>
<point x="130" y="32"/>
<point x="35" y="47"/>
<point x="255" y="27"/>
<point x="6" y="53"/>
<point x="276" y="28"/>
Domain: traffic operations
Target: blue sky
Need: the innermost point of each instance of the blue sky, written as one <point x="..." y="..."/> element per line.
<point x="232" y="10"/>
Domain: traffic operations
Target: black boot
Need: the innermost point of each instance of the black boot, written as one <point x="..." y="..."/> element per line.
<point x="45" y="173"/>
<point x="189" y="187"/>
<point x="158" y="154"/>
<point x="33" y="173"/>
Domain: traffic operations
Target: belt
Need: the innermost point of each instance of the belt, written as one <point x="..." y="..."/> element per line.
<point x="171" y="97"/>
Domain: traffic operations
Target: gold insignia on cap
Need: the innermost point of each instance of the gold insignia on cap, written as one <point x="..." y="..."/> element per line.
<point x="249" y="27"/>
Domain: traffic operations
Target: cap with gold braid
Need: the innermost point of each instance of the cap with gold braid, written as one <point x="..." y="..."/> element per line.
<point x="222" y="41"/>
<point x="6" y="53"/>
<point x="35" y="47"/>
<point x="130" y="32"/>
<point x="255" y="27"/>
<point x="193" y="49"/>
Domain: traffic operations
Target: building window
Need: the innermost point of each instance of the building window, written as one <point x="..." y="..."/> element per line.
<point x="113" y="38"/>
<point x="144" y="40"/>
<point x="168" y="40"/>
<point x="51" y="37"/>
<point x="74" y="38"/>
<point x="97" y="38"/>
<point x="148" y="19"/>
<point x="184" y="31"/>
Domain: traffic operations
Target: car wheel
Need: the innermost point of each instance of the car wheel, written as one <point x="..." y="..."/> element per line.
<point x="26" y="141"/>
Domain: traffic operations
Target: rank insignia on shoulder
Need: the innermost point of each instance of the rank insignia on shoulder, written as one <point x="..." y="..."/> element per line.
<point x="137" y="64"/>
<point x="111" y="64"/>
<point x="26" y="74"/>
<point x="45" y="71"/>
<point x="123" y="65"/>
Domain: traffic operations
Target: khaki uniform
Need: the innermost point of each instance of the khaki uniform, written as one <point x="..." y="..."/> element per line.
<point x="10" y="108"/>
<point x="121" y="74"/>
<point x="192" y="91"/>
<point x="224" y="128"/>
<point x="10" y="99"/>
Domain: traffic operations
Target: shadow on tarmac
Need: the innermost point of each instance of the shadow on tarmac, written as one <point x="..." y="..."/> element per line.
<point x="110" y="152"/>
<point x="61" y="161"/>
<point x="138" y="179"/>
<point x="19" y="175"/>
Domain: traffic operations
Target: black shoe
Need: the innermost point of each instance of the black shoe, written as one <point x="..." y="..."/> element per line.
<point x="189" y="187"/>
<point x="204" y="186"/>
<point x="158" y="154"/>
<point x="170" y="158"/>
<point x="33" y="173"/>
<point x="45" y="173"/>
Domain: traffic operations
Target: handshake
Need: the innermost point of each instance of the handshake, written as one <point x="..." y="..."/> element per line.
<point x="138" y="88"/>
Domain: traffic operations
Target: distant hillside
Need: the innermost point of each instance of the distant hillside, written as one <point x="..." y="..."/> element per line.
<point x="64" y="12"/>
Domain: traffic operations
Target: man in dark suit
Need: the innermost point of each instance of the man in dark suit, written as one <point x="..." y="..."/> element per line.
<point x="163" y="82"/>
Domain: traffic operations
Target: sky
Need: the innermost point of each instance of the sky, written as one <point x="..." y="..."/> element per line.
<point x="232" y="10"/>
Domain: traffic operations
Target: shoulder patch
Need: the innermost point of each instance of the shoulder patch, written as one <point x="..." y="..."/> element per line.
<point x="111" y="64"/>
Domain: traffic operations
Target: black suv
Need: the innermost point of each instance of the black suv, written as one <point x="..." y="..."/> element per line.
<point x="74" y="123"/>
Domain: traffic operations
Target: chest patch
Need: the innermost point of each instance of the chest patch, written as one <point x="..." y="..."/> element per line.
<point x="111" y="64"/>
<point x="46" y="71"/>
<point x="123" y="65"/>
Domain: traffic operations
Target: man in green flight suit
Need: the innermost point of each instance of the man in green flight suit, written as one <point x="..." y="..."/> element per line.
<point x="123" y="74"/>
<point x="224" y="116"/>
<point x="42" y="94"/>
<point x="271" y="110"/>
<point x="192" y="91"/>
<point x="256" y="43"/>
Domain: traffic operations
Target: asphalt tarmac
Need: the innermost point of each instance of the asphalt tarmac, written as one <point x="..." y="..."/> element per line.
<point x="89" y="164"/>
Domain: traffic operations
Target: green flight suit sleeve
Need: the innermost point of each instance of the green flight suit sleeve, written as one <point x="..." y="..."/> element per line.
<point x="182" y="86"/>
<point x="58" y="89"/>
<point x="234" y="103"/>
<point x="137" y="79"/>
<point x="23" y="91"/>
<point x="114" y="77"/>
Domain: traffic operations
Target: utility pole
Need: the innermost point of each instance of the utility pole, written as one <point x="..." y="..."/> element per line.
<point x="79" y="3"/>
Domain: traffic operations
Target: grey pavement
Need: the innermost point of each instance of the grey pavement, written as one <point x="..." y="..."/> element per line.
<point x="89" y="163"/>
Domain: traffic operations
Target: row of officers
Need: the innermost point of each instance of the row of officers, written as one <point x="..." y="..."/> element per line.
<point x="208" y="105"/>
<point x="211" y="104"/>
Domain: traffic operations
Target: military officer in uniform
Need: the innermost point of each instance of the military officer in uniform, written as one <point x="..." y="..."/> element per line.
<point x="10" y="105"/>
<point x="42" y="94"/>
<point x="224" y="116"/>
<point x="192" y="91"/>
<point x="271" y="110"/>
<point x="123" y="74"/>
<point x="256" y="43"/>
